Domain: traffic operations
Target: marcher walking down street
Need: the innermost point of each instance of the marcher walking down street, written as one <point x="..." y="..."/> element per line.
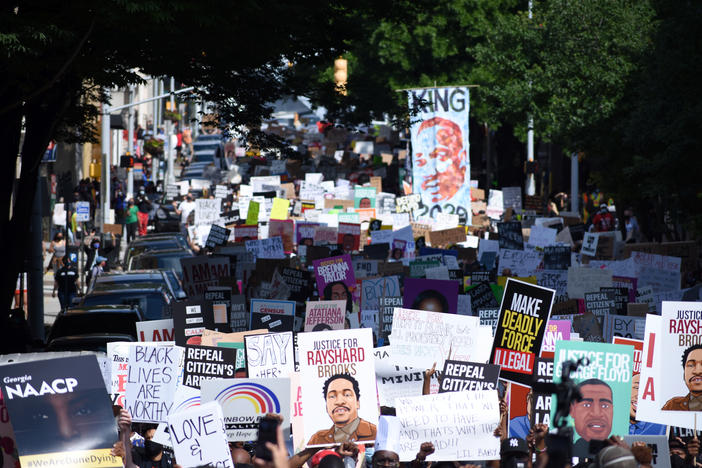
<point x="131" y="219"/>
<point x="144" y="206"/>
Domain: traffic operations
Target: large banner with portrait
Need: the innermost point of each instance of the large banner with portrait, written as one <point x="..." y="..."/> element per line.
<point x="440" y="150"/>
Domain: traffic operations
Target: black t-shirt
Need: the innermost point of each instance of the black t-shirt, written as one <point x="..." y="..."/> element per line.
<point x="143" y="204"/>
<point x="66" y="275"/>
<point x="141" y="461"/>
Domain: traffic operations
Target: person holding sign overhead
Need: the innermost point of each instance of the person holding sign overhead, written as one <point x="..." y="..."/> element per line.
<point x="342" y="394"/>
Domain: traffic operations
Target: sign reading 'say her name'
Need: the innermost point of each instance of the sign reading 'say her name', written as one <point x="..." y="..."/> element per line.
<point x="524" y="313"/>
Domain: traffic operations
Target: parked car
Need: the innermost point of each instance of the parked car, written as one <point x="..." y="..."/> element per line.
<point x="168" y="278"/>
<point x="153" y="299"/>
<point x="91" y="328"/>
<point x="160" y="259"/>
<point x="166" y="219"/>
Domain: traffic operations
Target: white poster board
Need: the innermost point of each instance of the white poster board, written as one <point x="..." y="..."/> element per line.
<point x="270" y="355"/>
<point x="198" y="437"/>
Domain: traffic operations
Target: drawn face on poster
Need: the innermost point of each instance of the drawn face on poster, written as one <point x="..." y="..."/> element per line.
<point x="338" y="375"/>
<point x="440" y="158"/>
<point x="682" y="386"/>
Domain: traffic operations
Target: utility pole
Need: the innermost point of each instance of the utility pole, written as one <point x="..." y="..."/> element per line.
<point x="530" y="182"/>
<point x="170" y="177"/>
<point x="574" y="182"/>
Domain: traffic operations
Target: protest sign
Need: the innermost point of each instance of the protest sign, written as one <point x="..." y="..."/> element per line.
<point x="325" y="315"/>
<point x="217" y="236"/>
<point x="512" y="198"/>
<point x="431" y="295"/>
<point x="198" y="437"/>
<point x="482" y="297"/>
<point x="245" y="232"/>
<point x="681" y="330"/>
<point x="270" y="355"/>
<point x="349" y="236"/>
<point x="601" y="304"/>
<point x="155" y="330"/>
<point x="299" y="283"/>
<point x="541" y="406"/>
<point x="660" y="452"/>
<point x="386" y="305"/>
<point x="395" y="381"/>
<point x="280" y="208"/>
<point x="519" y="262"/>
<point x="152" y="377"/>
<point x="60" y="412"/>
<point x="333" y="363"/>
<point x="459" y="424"/>
<point x="221" y="299"/>
<point x="621" y="297"/>
<point x="363" y="268"/>
<point x="621" y="325"/>
<point x="555" y="330"/>
<point x="190" y="318"/>
<point x="229" y="218"/>
<point x="408" y="203"/>
<point x="206" y="363"/>
<point x="266" y="248"/>
<point x="447" y="237"/>
<point x="364" y="197"/>
<point x="274" y="315"/>
<point x="285" y="230"/>
<point x="239" y="319"/>
<point x="418" y="267"/>
<point x="488" y="317"/>
<point x="524" y="313"/>
<point x="589" y="327"/>
<point x="460" y="376"/>
<point x="201" y="272"/>
<point x="605" y="389"/>
<point x="252" y="213"/>
<point x="510" y="235"/>
<point x="245" y="401"/>
<point x="334" y="277"/>
<point x="556" y="280"/>
<point x="9" y="456"/>
<point x="541" y="236"/>
<point x="372" y="289"/>
<point x="207" y="210"/>
<point x="443" y="183"/>
<point x="420" y="338"/>
<point x="583" y="279"/>
<point x="589" y="247"/>
<point x="118" y="359"/>
<point x="556" y="257"/>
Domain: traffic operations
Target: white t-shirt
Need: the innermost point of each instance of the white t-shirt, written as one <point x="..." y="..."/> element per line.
<point x="186" y="207"/>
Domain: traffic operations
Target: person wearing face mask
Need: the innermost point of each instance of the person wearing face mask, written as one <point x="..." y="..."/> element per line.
<point x="152" y="455"/>
<point x="184" y="209"/>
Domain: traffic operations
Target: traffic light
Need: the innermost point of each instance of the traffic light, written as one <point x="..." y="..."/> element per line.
<point x="126" y="161"/>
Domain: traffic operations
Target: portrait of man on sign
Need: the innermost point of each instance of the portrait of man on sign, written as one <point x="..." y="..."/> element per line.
<point x="593" y="413"/>
<point x="342" y="395"/>
<point x="440" y="158"/>
<point x="692" y="374"/>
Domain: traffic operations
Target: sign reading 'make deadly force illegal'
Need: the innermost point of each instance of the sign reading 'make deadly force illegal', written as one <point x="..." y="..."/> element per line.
<point x="524" y="313"/>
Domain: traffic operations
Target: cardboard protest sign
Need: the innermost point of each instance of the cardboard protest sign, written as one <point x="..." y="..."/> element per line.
<point x="660" y="452"/>
<point x="555" y="330"/>
<point x="556" y="280"/>
<point x="190" y="319"/>
<point x="269" y="355"/>
<point x="557" y="257"/>
<point x="332" y="364"/>
<point x="510" y="235"/>
<point x="198" y="436"/>
<point x="460" y="376"/>
<point x="217" y="236"/>
<point x="373" y="289"/>
<point x="206" y="363"/>
<point x="459" y="424"/>
<point x="431" y="295"/>
<point x="605" y="386"/>
<point x="201" y="272"/>
<point x="582" y="280"/>
<point x="447" y="237"/>
<point x="541" y="402"/>
<point x="589" y="247"/>
<point x="420" y="338"/>
<point x="245" y="401"/>
<point x="524" y="313"/>
<point x="274" y="315"/>
<point x="325" y="315"/>
<point x="334" y="276"/>
<point x="47" y="399"/>
<point x="156" y="330"/>
<point x="151" y="380"/>
<point x="395" y="381"/>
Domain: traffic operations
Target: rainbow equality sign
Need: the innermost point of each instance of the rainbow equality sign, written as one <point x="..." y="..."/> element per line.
<point x="245" y="401"/>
